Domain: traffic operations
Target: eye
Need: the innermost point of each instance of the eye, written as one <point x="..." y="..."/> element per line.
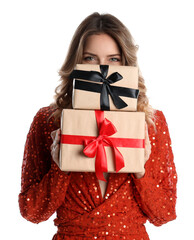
<point x="114" y="59"/>
<point x="89" y="58"/>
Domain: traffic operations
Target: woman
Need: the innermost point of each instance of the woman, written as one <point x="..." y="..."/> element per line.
<point x="87" y="208"/>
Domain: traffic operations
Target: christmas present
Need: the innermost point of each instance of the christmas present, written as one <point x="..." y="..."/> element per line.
<point x="105" y="87"/>
<point x="102" y="141"/>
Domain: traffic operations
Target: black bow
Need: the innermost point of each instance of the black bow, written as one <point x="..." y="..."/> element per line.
<point x="105" y="87"/>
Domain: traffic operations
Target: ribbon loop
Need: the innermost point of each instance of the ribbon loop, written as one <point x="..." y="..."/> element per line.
<point x="107" y="128"/>
<point x="90" y="148"/>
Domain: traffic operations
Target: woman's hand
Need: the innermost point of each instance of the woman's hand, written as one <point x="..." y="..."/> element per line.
<point x="55" y="146"/>
<point x="147" y="152"/>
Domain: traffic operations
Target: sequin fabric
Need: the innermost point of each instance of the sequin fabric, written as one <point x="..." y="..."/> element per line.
<point x="82" y="212"/>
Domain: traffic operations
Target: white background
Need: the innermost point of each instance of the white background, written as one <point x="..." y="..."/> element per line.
<point x="34" y="39"/>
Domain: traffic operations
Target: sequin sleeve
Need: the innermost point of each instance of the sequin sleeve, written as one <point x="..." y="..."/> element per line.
<point x="156" y="191"/>
<point x="43" y="185"/>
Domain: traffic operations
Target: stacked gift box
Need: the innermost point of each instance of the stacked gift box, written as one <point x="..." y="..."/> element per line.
<point x="103" y="132"/>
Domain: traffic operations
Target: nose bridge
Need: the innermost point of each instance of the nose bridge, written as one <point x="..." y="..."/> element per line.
<point x="102" y="61"/>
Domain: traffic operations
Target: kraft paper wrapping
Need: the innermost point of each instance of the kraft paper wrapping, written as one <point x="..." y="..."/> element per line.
<point x="91" y="100"/>
<point x="83" y="122"/>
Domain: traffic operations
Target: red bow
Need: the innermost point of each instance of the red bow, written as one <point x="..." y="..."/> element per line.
<point x="96" y="148"/>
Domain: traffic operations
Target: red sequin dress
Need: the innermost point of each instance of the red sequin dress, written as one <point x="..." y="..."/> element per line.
<point x="82" y="212"/>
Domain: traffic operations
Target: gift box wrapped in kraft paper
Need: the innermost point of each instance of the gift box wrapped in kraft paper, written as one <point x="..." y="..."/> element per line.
<point x="105" y="87"/>
<point x="102" y="141"/>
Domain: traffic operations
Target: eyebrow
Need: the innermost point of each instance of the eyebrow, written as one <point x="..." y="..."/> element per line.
<point x="111" y="55"/>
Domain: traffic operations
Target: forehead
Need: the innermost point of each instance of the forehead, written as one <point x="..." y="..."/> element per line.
<point x="101" y="43"/>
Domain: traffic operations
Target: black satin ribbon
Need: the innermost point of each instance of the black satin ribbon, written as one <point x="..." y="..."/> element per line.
<point x="105" y="89"/>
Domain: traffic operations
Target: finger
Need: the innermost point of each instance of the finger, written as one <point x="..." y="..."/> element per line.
<point x="57" y="137"/>
<point x="53" y="134"/>
<point x="59" y="134"/>
<point x="54" y="150"/>
<point x="56" y="154"/>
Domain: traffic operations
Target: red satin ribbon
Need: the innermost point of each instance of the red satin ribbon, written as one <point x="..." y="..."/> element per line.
<point x="94" y="146"/>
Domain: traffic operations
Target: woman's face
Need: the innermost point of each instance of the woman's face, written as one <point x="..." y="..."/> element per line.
<point x="101" y="49"/>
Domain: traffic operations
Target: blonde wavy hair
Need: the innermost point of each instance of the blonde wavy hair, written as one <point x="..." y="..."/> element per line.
<point x="99" y="24"/>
